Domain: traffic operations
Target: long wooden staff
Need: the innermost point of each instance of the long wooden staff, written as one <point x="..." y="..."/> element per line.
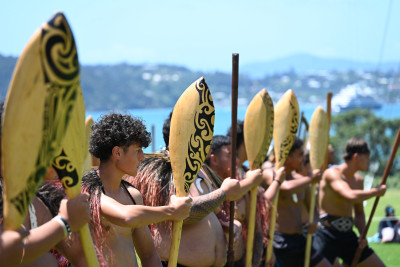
<point x="191" y="132"/>
<point x="258" y="127"/>
<point x="235" y="84"/>
<point x="383" y="181"/>
<point x="329" y="115"/>
<point x="69" y="167"/>
<point x="318" y="136"/>
<point x="42" y="93"/>
<point x="286" y="121"/>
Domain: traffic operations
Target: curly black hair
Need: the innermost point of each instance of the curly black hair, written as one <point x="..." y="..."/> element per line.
<point x="115" y="129"/>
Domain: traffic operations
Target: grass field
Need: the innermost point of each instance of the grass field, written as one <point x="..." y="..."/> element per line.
<point x="389" y="253"/>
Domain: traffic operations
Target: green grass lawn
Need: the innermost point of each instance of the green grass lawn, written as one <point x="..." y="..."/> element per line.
<point x="389" y="253"/>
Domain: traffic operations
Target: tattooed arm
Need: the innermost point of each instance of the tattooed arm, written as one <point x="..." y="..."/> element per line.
<point x="204" y="205"/>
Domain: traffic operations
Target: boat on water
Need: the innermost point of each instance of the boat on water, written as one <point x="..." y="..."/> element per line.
<point x="355" y="96"/>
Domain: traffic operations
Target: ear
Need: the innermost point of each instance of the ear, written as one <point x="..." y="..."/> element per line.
<point x="213" y="160"/>
<point x="116" y="152"/>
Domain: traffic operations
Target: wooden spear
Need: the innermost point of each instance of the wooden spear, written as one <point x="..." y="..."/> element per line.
<point x="235" y="82"/>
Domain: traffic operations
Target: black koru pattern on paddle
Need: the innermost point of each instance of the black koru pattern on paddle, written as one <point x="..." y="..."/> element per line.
<point x="66" y="171"/>
<point x="289" y="140"/>
<point x="200" y="140"/>
<point x="60" y="66"/>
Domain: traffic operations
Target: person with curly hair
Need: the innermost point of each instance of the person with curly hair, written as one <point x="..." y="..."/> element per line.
<point x="119" y="218"/>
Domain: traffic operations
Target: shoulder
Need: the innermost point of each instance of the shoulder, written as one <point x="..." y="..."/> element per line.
<point x="268" y="174"/>
<point x="91" y="179"/>
<point x="332" y="173"/>
<point x="137" y="196"/>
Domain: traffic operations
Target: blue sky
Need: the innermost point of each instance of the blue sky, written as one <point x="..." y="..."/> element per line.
<point x="203" y="34"/>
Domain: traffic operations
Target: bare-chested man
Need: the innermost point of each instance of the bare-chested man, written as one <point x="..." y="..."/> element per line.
<point x="119" y="219"/>
<point x="341" y="192"/>
<point x="289" y="241"/>
<point x="265" y="197"/>
<point x="203" y="240"/>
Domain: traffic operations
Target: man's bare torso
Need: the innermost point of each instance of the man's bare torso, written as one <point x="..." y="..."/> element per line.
<point x="289" y="220"/>
<point x="332" y="202"/>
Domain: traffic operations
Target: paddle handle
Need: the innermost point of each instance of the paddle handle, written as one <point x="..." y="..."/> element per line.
<point x="175" y="241"/>
<point x="271" y="230"/>
<point x="251" y="226"/>
<point x="310" y="220"/>
<point x="88" y="247"/>
<point x="383" y="181"/>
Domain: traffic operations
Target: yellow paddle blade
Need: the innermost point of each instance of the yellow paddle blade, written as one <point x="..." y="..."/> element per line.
<point x="318" y="137"/>
<point x="191" y="132"/>
<point x="87" y="165"/>
<point x="42" y="93"/>
<point x="69" y="163"/>
<point x="69" y="160"/>
<point x="258" y="127"/>
<point x="285" y="126"/>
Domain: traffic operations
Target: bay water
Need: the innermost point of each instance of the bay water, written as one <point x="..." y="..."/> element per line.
<point x="154" y="118"/>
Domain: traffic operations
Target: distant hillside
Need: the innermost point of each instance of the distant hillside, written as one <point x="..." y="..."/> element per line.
<point x="302" y="63"/>
<point x="126" y="86"/>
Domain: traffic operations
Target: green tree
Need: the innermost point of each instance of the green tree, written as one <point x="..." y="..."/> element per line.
<point x="379" y="134"/>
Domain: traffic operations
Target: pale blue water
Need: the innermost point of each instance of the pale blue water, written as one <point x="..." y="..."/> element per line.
<point x="156" y="117"/>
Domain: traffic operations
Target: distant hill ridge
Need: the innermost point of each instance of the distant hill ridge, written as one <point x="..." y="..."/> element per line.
<point x="128" y="86"/>
<point x="302" y="63"/>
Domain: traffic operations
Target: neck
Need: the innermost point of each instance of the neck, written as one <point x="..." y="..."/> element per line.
<point x="110" y="176"/>
<point x="348" y="170"/>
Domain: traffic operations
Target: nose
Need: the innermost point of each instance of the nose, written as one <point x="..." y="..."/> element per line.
<point x="141" y="155"/>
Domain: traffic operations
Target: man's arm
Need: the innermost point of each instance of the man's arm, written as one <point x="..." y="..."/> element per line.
<point x="134" y="216"/>
<point x="344" y="190"/>
<point x="274" y="179"/>
<point x="41" y="239"/>
<point x="204" y="205"/>
<point x="300" y="183"/>
<point x="145" y="248"/>
<point x="144" y="244"/>
<point x="252" y="178"/>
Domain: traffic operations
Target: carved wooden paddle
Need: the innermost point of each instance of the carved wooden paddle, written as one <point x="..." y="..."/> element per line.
<point x="318" y="138"/>
<point x="41" y="96"/>
<point x="191" y="132"/>
<point x="69" y="166"/>
<point x="286" y="121"/>
<point x="258" y="127"/>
